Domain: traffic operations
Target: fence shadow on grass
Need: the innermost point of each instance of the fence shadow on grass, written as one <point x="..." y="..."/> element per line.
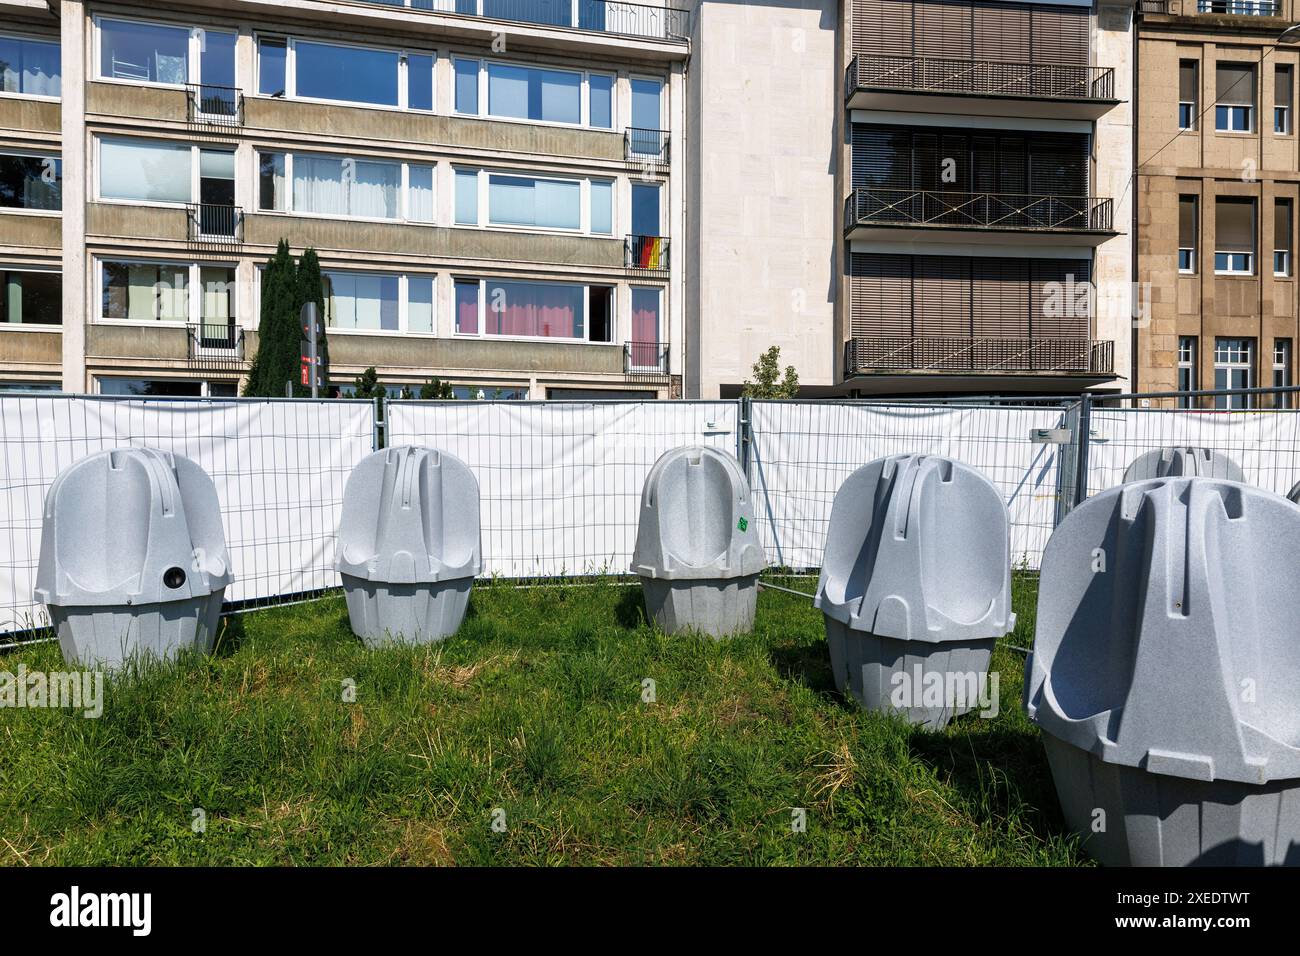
<point x="810" y="665"/>
<point x="630" y="611"/>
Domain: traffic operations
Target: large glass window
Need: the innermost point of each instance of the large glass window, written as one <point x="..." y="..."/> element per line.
<point x="272" y="66"/>
<point x="541" y="309"/>
<point x="646" y="325"/>
<point x="1234" y="112"/>
<point x="349" y="74"/>
<point x="356" y="300"/>
<point x="522" y="92"/>
<point x="1234" y="364"/>
<point x="1234" y="239"/>
<point x="30" y="182"/>
<point x="602" y="207"/>
<point x="30" y="298"/>
<point x="647" y="104"/>
<point x="467" y="86"/>
<point x="28" y="66"/>
<point x="146" y="52"/>
<point x="544" y="203"/>
<point x="145" y="170"/>
<point x="467" y="306"/>
<point x="419" y="194"/>
<point x="419" y="304"/>
<point x="419" y="81"/>
<point x="645" y="209"/>
<point x="601" y="107"/>
<point x="344" y="186"/>
<point x="145" y="291"/>
<point x="467" y="197"/>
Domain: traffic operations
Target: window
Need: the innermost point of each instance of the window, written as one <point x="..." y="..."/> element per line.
<point x="602" y="207"/>
<point x="1234" y="362"/>
<point x="1234" y="242"/>
<point x="378" y="302"/>
<point x="345" y="186"/>
<point x="645" y="209"/>
<point x="647" y="106"/>
<point x="542" y="203"/>
<point x="142" y="170"/>
<point x="558" y="310"/>
<point x="170" y="387"/>
<point x="1236" y="97"/>
<point x="601" y="100"/>
<point x="167" y="54"/>
<point x="467" y="87"/>
<point x="1187" y="225"/>
<point x="646" y="326"/>
<point x="467" y="197"/>
<point x="526" y="92"/>
<point x="30" y="67"/>
<point x="160" y="292"/>
<point x="1282" y="372"/>
<point x="30" y="298"/>
<point x="490" y="393"/>
<point x="1282" y="86"/>
<point x="30" y="182"/>
<point x="1188" y="88"/>
<point x="1282" y="237"/>
<point x="344" y="73"/>
<point x="1186" y="369"/>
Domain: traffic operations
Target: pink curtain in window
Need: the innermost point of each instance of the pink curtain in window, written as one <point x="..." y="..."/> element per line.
<point x="518" y="308"/>
<point x="467" y="309"/>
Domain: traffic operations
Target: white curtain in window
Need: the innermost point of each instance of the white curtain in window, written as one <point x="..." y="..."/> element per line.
<point x="157" y="292"/>
<point x="420" y="194"/>
<point x="146" y="172"/>
<point x="375" y="190"/>
<point x="318" y="185"/>
<point x="419" y="304"/>
<point x="360" y="301"/>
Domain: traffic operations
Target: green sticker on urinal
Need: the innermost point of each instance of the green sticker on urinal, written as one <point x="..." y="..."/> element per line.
<point x="743" y="524"/>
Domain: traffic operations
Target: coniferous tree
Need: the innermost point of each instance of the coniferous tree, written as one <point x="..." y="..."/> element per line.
<point x="436" y="388"/>
<point x="311" y="289"/>
<point x="278" y="333"/>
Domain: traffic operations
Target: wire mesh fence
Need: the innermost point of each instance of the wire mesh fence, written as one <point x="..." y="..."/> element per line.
<point x="279" y="467"/>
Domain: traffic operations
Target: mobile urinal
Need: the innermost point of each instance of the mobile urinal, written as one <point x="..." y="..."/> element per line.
<point x="133" y="558"/>
<point x="1164" y="673"/>
<point x="697" y="550"/>
<point x="915" y="587"/>
<point x="408" y="544"/>
<point x="1183" y="462"/>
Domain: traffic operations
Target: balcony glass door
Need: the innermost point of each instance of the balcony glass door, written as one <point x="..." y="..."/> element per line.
<point x="217" y="213"/>
<point x="217" y="96"/>
<point x="647" y="138"/>
<point x="645" y="347"/>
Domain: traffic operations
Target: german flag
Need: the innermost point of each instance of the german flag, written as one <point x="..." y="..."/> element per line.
<point x="651" y="248"/>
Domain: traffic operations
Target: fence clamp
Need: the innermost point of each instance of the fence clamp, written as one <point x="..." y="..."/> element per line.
<point x="1050" y="436"/>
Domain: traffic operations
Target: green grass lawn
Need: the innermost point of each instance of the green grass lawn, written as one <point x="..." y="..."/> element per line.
<point x="534" y="709"/>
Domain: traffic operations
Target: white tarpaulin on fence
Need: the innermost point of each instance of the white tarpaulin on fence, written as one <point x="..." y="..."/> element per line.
<point x="279" y="468"/>
<point x="1266" y="444"/>
<point x="803" y="451"/>
<point x="560" y="483"/>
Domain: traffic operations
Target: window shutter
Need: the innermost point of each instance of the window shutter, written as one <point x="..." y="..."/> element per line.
<point x="1060" y="35"/>
<point x="1002" y="34"/>
<point x="882" y="27"/>
<point x="880" y="295"/>
<point x="1282" y="225"/>
<point x="1235" y="84"/>
<point x="1187" y="222"/>
<point x="1187" y="81"/>
<point x="1000" y="298"/>
<point x="1234" y="225"/>
<point x="1058" y="309"/>
<point x="1282" y="86"/>
<point x="941" y="296"/>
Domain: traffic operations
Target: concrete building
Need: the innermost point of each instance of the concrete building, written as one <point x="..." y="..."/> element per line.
<point x="1218" y="179"/>
<point x="495" y="190"/>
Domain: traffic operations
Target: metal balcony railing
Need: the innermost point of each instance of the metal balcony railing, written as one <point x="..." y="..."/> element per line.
<point x="215" y="226"/>
<point x="645" y="21"/>
<point x="646" y="147"/>
<point x="870" y="206"/>
<point x="924" y="74"/>
<point x="215" y="346"/>
<point x="1240" y="8"/>
<point x="645" y="359"/>
<point x="646" y="253"/>
<point x="1153" y="6"/>
<point x="969" y="354"/>
<point x="215" y="105"/>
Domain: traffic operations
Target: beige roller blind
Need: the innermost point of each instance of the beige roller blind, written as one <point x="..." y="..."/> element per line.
<point x="1235" y="84"/>
<point x="1234" y="224"/>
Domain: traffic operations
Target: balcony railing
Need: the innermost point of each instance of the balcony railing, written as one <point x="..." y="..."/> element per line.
<point x="215" y="105"/>
<point x="923" y="74"/>
<point x="215" y="226"/>
<point x="969" y="354"/>
<point x="645" y="359"/>
<point x="216" y="346"/>
<point x="646" y="147"/>
<point x="646" y="253"/>
<point x="870" y="206"/>
<point x="1240" y="8"/>
<point x="647" y="21"/>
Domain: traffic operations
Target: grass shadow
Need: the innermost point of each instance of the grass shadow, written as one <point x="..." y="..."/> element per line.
<point x="809" y="665"/>
<point x="231" y="635"/>
<point x="630" y="611"/>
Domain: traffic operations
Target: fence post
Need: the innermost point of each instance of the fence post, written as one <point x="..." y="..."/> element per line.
<point x="744" y="434"/>
<point x="1081" y="462"/>
<point x="379" y="417"/>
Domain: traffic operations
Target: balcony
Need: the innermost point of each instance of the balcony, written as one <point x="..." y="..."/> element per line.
<point x="215" y="227"/>
<point x="967" y="356"/>
<point x="988" y="87"/>
<point x="646" y="149"/>
<point x="1223" y="8"/>
<point x="645" y="361"/>
<point x="644" y="21"/>
<point x="211" y="106"/>
<point x="215" y="347"/>
<point x="872" y="213"/>
<point x="646" y="254"/>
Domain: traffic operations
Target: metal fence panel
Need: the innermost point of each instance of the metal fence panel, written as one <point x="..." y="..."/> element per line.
<point x="560" y="482"/>
<point x="279" y="467"/>
<point x="803" y="451"/>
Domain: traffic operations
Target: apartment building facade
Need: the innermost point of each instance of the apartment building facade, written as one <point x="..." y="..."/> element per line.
<point x="1218" y="180"/>
<point x="494" y="190"/>
<point x="985" y="181"/>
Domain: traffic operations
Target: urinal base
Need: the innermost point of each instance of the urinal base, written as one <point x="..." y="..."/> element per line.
<point x="894" y="676"/>
<point x="383" y="614"/>
<point x="1127" y="816"/>
<point x="718" y="607"/>
<point x="111" y="635"/>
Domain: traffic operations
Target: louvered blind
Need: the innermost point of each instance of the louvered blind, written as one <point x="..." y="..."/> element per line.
<point x="882" y="27"/>
<point x="1234" y="224"/>
<point x="1282" y="225"/>
<point x="1235" y="84"/>
<point x="941" y="296"/>
<point x="1187" y="222"/>
<point x="880" y="295"/>
<point x="1002" y="33"/>
<point x="1000" y="298"/>
<point x="1059" y="303"/>
<point x="963" y="29"/>
<point x="1187" y="81"/>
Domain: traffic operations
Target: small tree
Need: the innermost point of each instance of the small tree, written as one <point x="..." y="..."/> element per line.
<point x="367" y="385"/>
<point x="436" y="388"/>
<point x="308" y="287"/>
<point x="767" y="371"/>
<point x="278" y="334"/>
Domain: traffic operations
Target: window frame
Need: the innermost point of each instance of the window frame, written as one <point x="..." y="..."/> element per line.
<point x="193" y="280"/>
<point x="1191" y="105"/>
<point x="1187" y="364"/>
<point x="33" y="326"/>
<point x="483" y="195"/>
<point x="196" y="149"/>
<point x="403" y="54"/>
<point x="57" y="42"/>
<point x="584" y="92"/>
<point x="404" y="188"/>
<point x="482" y="333"/>
<point x="29" y="153"/>
<point x="193" y="53"/>
<point x="1229" y="366"/>
<point x="403" y="302"/>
